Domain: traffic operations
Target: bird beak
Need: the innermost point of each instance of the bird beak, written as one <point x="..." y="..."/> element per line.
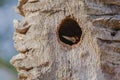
<point x="72" y="39"/>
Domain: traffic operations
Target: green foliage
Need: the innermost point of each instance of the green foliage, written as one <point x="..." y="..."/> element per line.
<point x="2" y="2"/>
<point x="7" y="65"/>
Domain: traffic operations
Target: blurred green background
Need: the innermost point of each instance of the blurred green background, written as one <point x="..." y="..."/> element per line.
<point x="7" y="50"/>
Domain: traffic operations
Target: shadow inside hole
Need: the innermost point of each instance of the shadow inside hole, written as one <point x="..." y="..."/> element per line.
<point x="69" y="31"/>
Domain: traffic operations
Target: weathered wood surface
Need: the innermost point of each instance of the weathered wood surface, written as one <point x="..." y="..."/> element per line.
<point x="43" y="56"/>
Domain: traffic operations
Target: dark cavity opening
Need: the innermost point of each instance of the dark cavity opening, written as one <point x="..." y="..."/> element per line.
<point x="69" y="31"/>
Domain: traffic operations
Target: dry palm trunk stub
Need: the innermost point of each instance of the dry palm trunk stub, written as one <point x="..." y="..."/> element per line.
<point x="67" y="40"/>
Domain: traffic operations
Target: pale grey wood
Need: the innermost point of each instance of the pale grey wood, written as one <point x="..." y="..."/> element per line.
<point x="43" y="56"/>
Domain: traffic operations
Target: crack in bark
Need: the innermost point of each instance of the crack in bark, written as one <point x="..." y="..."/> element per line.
<point x="109" y="41"/>
<point x="25" y="69"/>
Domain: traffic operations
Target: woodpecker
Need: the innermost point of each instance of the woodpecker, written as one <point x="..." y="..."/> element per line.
<point x="73" y="39"/>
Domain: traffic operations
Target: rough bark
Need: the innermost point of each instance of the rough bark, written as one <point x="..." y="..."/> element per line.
<point x="44" y="55"/>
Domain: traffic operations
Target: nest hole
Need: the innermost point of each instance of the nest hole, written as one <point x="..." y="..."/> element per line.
<point x="69" y="31"/>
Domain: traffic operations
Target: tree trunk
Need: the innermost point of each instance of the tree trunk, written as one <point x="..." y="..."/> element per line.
<point x="67" y="40"/>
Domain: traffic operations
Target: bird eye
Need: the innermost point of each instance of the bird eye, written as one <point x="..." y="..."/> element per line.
<point x="69" y="31"/>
